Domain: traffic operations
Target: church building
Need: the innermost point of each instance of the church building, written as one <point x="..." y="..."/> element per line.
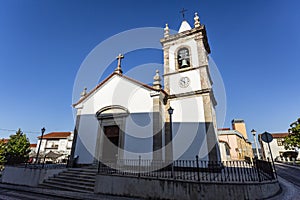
<point x="122" y="118"/>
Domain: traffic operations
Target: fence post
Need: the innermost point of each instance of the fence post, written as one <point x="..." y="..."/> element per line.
<point x="139" y="174"/>
<point x="99" y="163"/>
<point x="172" y="169"/>
<point x="198" y="169"/>
<point x="257" y="169"/>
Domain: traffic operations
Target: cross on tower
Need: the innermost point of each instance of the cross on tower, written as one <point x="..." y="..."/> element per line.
<point x="182" y="12"/>
<point x="119" y="58"/>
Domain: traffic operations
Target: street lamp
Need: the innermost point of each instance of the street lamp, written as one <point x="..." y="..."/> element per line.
<point x="170" y="111"/>
<point x="38" y="152"/>
<point x="254" y="134"/>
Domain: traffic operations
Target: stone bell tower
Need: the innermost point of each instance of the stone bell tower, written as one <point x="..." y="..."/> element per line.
<point x="187" y="81"/>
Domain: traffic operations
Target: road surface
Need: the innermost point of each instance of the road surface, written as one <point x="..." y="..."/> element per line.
<point x="289" y="179"/>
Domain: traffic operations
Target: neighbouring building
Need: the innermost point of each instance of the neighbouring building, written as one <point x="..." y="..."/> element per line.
<point x="33" y="147"/>
<point x="276" y="146"/>
<point x="235" y="143"/>
<point x="4" y="140"/>
<point x="55" y="146"/>
<point x="122" y="118"/>
<point x="32" y="153"/>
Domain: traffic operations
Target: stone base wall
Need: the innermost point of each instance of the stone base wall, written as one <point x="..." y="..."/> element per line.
<point x="27" y="176"/>
<point x="168" y="189"/>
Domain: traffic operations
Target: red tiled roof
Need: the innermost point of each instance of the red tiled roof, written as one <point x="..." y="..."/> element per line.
<point x="33" y="145"/>
<point x="277" y="135"/>
<point x="4" y="140"/>
<point x="56" y="135"/>
<point x="223" y="129"/>
<point x="109" y="77"/>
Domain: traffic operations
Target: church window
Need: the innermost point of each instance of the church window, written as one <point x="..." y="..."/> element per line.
<point x="183" y="58"/>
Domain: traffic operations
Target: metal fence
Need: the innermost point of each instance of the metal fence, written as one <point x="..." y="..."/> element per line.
<point x="191" y="170"/>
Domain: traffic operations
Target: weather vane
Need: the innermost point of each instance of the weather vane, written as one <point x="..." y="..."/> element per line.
<point x="182" y="12"/>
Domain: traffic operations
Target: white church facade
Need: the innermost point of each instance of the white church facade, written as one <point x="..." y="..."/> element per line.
<point x="122" y="118"/>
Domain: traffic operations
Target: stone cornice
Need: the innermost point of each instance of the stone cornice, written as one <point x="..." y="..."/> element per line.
<point x="184" y="70"/>
<point x="204" y="91"/>
<point x="200" y="33"/>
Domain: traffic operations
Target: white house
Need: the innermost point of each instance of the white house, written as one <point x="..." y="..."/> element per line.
<point x="276" y="146"/>
<point x="59" y="143"/>
<point x="122" y="118"/>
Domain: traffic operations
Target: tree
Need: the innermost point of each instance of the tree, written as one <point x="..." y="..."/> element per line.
<point x="2" y="153"/>
<point x="17" y="148"/>
<point x="292" y="141"/>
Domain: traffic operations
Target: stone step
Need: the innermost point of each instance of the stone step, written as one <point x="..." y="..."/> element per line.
<point x="49" y="185"/>
<point x="74" y="181"/>
<point x="83" y="176"/>
<point x="68" y="177"/>
<point x="79" y="173"/>
<point x="54" y="183"/>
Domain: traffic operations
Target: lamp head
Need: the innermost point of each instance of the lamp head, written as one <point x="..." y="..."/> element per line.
<point x="43" y="130"/>
<point x="170" y="110"/>
<point x="253" y="132"/>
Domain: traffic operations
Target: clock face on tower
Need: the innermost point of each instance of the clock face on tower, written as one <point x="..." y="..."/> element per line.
<point x="184" y="82"/>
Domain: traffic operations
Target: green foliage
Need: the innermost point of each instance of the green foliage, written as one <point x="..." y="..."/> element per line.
<point x="2" y="153"/>
<point x="17" y="148"/>
<point x="292" y="141"/>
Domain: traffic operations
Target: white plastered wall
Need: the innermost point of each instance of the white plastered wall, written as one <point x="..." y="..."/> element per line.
<point x="189" y="131"/>
<point x="116" y="91"/>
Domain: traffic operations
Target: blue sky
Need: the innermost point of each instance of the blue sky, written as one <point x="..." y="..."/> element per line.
<point x="255" y="44"/>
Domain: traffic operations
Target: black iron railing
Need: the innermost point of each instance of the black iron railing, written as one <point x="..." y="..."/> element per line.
<point x="191" y="170"/>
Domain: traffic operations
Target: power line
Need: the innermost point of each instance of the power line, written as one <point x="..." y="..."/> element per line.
<point x="13" y="130"/>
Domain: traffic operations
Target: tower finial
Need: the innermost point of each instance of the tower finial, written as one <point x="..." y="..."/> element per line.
<point x="167" y="31"/>
<point x="157" y="79"/>
<point x="119" y="69"/>
<point x="183" y="12"/>
<point x="197" y="21"/>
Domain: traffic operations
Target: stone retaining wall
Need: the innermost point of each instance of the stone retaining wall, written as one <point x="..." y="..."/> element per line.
<point x="27" y="176"/>
<point x="168" y="189"/>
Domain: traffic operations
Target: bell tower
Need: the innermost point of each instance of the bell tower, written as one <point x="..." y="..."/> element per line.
<point x="187" y="81"/>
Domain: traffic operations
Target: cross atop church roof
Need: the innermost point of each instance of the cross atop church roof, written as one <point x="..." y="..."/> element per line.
<point x="182" y="12"/>
<point x="119" y="58"/>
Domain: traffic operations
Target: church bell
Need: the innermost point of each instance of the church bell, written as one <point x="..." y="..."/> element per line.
<point x="184" y="63"/>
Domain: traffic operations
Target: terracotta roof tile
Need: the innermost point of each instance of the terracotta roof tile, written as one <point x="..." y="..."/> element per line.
<point x="223" y="129"/>
<point x="33" y="145"/>
<point x="56" y="135"/>
<point x="277" y="135"/>
<point x="4" y="140"/>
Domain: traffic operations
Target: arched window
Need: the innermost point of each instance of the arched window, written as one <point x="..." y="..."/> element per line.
<point x="183" y="58"/>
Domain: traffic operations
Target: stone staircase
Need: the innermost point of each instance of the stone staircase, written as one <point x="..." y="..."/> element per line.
<point x="73" y="179"/>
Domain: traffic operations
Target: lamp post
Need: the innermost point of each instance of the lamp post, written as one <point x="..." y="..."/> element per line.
<point x="254" y="136"/>
<point x="38" y="152"/>
<point x="170" y="111"/>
